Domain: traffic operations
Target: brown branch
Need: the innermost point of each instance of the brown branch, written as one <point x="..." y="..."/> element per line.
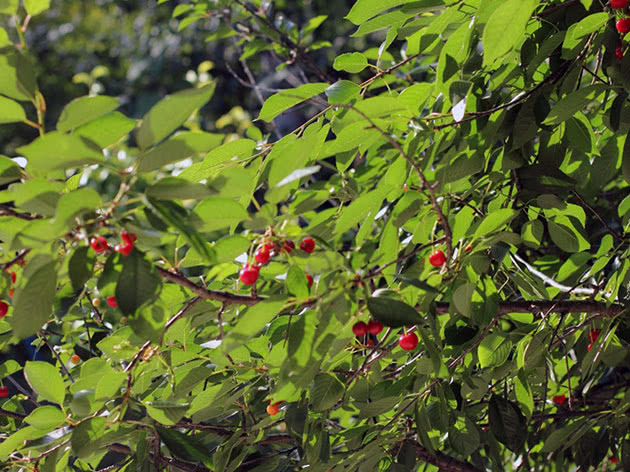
<point x="16" y="260"/>
<point x="216" y="295"/>
<point x="179" y="315"/>
<point x="442" y="461"/>
<point x="5" y="211"/>
<point x="12" y="414"/>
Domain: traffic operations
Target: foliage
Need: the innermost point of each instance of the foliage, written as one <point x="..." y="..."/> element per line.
<point x="492" y="130"/>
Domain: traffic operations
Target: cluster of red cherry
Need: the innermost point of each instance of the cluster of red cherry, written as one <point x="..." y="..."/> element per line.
<point x="623" y="25"/>
<point x="249" y="273"/>
<point x="99" y="243"/>
<point x="4" y="306"/>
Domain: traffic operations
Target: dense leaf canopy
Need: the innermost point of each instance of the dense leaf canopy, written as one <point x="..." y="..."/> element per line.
<point x="226" y="224"/>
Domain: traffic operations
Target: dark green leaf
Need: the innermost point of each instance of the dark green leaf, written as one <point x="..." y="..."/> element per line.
<point x="393" y="313"/>
<point x="138" y="283"/>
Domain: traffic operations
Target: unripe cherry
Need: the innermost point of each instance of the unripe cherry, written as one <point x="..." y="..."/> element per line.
<point x="273" y="408"/>
<point x="75" y="359"/>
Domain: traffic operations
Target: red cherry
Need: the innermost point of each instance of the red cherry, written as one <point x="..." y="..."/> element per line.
<point x="559" y="399"/>
<point x="374" y="327"/>
<point x="613" y="460"/>
<point x="408" y="341"/>
<point x="590" y="345"/>
<point x="593" y="335"/>
<point x="309" y="278"/>
<point x="437" y="258"/>
<point x="128" y="238"/>
<point x="249" y="274"/>
<point x="262" y="255"/>
<point x="99" y="244"/>
<point x="4" y="392"/>
<point x="111" y="301"/>
<point x="124" y="249"/>
<point x="288" y="246"/>
<point x="307" y="245"/>
<point x="11" y="293"/>
<point x="468" y="248"/>
<point x="75" y="359"/>
<point x="360" y="329"/>
<point x="618" y="3"/>
<point x="619" y="52"/>
<point x="4" y="308"/>
<point x="369" y="343"/>
<point x="623" y="25"/>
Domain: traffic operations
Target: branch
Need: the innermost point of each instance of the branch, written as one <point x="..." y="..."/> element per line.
<point x="12" y="414"/>
<point x="441" y="308"/>
<point x="216" y="295"/>
<point x="5" y="211"/>
<point x="442" y="461"/>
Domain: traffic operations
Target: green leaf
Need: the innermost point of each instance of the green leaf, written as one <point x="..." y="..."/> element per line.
<point x="9" y="367"/>
<point x="493" y="350"/>
<point x="86" y="435"/>
<point x="211" y="165"/>
<point x="106" y="130"/>
<point x="165" y="412"/>
<point x="505" y="29"/>
<point x="576" y="101"/>
<point x="282" y="101"/>
<point x="46" y="417"/>
<point x="587" y="25"/>
<point x="55" y="150"/>
<point x="393" y="313"/>
<point x="462" y="298"/>
<point x="9" y="170"/>
<point x="73" y="204"/>
<point x="327" y="390"/>
<point x="507" y="423"/>
<point x="363" y="10"/>
<point x="35" y="7"/>
<point x="17" y="77"/>
<point x="296" y="282"/>
<point x="82" y="110"/>
<point x="11" y="111"/>
<point x="9" y="7"/>
<point x="185" y="447"/>
<point x="625" y="159"/>
<point x="46" y="380"/>
<point x="494" y="221"/>
<point x="563" y="237"/>
<point x="218" y="213"/>
<point x="182" y="146"/>
<point x="33" y="302"/>
<point x="253" y="321"/>
<point x="174" y="188"/>
<point x="138" y="282"/>
<point x="352" y="62"/>
<point x="170" y="113"/>
<point x="342" y="91"/>
<point x="80" y="267"/>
